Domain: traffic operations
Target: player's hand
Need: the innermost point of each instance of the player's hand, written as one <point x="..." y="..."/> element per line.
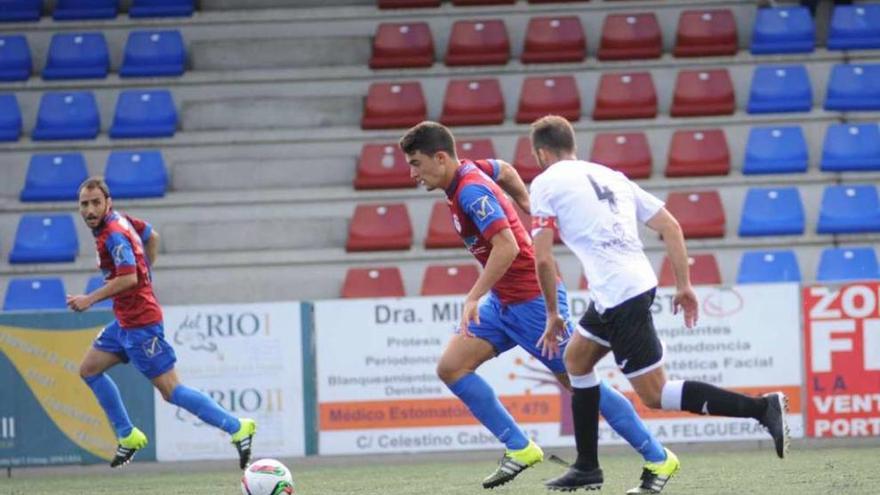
<point x="470" y="313"/>
<point x="686" y="300"/>
<point x="79" y="303"/>
<point x="549" y="341"/>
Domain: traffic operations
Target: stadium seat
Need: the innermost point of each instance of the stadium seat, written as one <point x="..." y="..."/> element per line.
<point x="473" y="102"/>
<point x="67" y="10"/>
<point x="408" y="4"/>
<point x="780" y="88"/>
<point x="783" y="30"/>
<point x="441" y="231"/>
<point x="447" y="280"/>
<point x="373" y="282"/>
<point x="10" y="118"/>
<point x="696" y="153"/>
<point x="776" y="150"/>
<point x="854" y="27"/>
<point x="705" y="33"/>
<point x="762" y="267"/>
<point x="772" y="211"/>
<point x="379" y="227"/>
<point x="382" y="166"/>
<point x="394" y="105"/>
<point x="478" y="43"/>
<point x="402" y="45"/>
<point x="626" y="96"/>
<point x="136" y="174"/>
<point x="153" y="53"/>
<point x="67" y="116"/>
<point x="44" y="238"/>
<point x="847" y="263"/>
<point x="475" y="149"/>
<point x="628" y="153"/>
<point x="630" y="37"/>
<point x="161" y="8"/>
<point x="546" y="95"/>
<point x="849" y="209"/>
<point x="21" y="10"/>
<point x="77" y="56"/>
<point x="703" y="92"/>
<point x="524" y="160"/>
<point x="853" y="87"/>
<point x="700" y="213"/>
<point x="32" y="294"/>
<point x="554" y="40"/>
<point x="144" y="114"/>
<point x="54" y="177"/>
<point x="15" y="58"/>
<point x="93" y="284"/>
<point x="703" y="269"/>
<point x="851" y="147"/>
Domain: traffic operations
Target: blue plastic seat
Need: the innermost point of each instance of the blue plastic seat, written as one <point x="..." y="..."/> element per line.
<point x="153" y="53"/>
<point x="776" y="150"/>
<point x="761" y="267"/>
<point x="44" y="238"/>
<point x="854" y="27"/>
<point x="67" y="116"/>
<point x="23" y="294"/>
<point x="772" y="211"/>
<point x="780" y="88"/>
<point x="15" y="58"/>
<point x="136" y="174"/>
<point x="851" y="147"/>
<point x="161" y="8"/>
<point x="66" y="10"/>
<point x="847" y="263"/>
<point x="144" y="113"/>
<point x="94" y="284"/>
<point x="849" y="209"/>
<point x="54" y="177"/>
<point x="10" y="118"/>
<point x="783" y="30"/>
<point x="21" y="10"/>
<point x="77" y="56"/>
<point x="853" y="87"/>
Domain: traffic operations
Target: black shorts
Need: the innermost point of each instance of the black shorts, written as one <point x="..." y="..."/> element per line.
<point x="628" y="330"/>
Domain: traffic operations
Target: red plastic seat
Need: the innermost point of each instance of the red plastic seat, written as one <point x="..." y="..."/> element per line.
<point x="695" y="153"/>
<point x="379" y="227"/>
<point x="445" y="280"/>
<point x="700" y="213"/>
<point x="441" y="231"/>
<point x="473" y="102"/>
<point x="394" y="105"/>
<point x="554" y="39"/>
<point x="540" y="96"/>
<point x="478" y="43"/>
<point x="703" y="33"/>
<point x="475" y="149"/>
<point x="626" y="152"/>
<point x="703" y="269"/>
<point x="524" y="161"/>
<point x="408" y="4"/>
<point x="382" y="166"/>
<point x="373" y="282"/>
<point x="703" y="92"/>
<point x="398" y="45"/>
<point x="626" y="96"/>
<point x="630" y="36"/>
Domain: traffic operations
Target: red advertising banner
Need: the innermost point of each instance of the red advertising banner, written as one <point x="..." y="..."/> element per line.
<point x="842" y="340"/>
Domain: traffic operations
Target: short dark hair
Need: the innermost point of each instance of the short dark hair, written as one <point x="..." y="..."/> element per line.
<point x="95" y="182"/>
<point x="428" y="138"/>
<point x="553" y="133"/>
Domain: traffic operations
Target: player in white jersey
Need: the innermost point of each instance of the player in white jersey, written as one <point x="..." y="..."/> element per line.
<point x="597" y="211"/>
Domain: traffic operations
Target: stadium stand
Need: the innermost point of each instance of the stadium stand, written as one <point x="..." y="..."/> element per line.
<point x="474" y="149"/>
<point x="788" y="29"/>
<point x="136" y="174"/>
<point x="153" y="54"/>
<point x="473" y="102"/>
<point x="44" y="239"/>
<point x="443" y="280"/>
<point x="854" y="87"/>
<point x="706" y="33"/>
<point x="394" y="105"/>
<point x="849" y="209"/>
<point x="30" y="294"/>
<point x="15" y="58"/>
<point x="700" y="213"/>
<point x="161" y="8"/>
<point x="382" y="166"/>
<point x="554" y="40"/>
<point x="70" y="10"/>
<point x="847" y="263"/>
<point x="776" y="150"/>
<point x="703" y="92"/>
<point x="780" y="88"/>
<point x="628" y="153"/>
<point x="772" y="211"/>
<point x="483" y="42"/>
<point x="77" y="56"/>
<point x="54" y="177"/>
<point x="407" y="4"/>
<point x="696" y="153"/>
<point x="762" y="267"/>
<point x="548" y="95"/>
<point x="524" y="160"/>
<point x="703" y="269"/>
<point x="401" y="45"/>
<point x="67" y="116"/>
<point x="630" y="37"/>
<point x="144" y="114"/>
<point x="854" y="27"/>
<point x="851" y="147"/>
<point x="626" y="96"/>
<point x="10" y="118"/>
<point x="380" y="227"/>
<point x="441" y="231"/>
<point x="481" y="2"/>
<point x="21" y="10"/>
<point x="372" y="282"/>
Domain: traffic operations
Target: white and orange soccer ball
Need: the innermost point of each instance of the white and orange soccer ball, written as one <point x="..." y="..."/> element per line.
<point x="267" y="477"/>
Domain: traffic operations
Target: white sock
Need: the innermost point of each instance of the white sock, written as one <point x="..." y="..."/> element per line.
<point x="670" y="396"/>
<point x="584" y="381"/>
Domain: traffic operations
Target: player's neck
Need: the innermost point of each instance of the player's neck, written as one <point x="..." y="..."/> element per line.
<point x="560" y="158"/>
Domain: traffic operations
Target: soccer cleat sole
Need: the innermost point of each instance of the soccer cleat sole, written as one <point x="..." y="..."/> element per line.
<point x="587" y="488"/>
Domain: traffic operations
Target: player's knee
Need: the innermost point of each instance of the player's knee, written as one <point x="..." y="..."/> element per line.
<point x="449" y="374"/>
<point x="87" y="370"/>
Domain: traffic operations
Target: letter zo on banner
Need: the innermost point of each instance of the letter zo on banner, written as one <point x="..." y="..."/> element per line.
<point x="842" y="342"/>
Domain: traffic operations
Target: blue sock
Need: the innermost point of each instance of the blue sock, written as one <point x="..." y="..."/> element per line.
<point x="485" y="406"/>
<point x="620" y="414"/>
<point x="205" y="408"/>
<point x="108" y="396"/>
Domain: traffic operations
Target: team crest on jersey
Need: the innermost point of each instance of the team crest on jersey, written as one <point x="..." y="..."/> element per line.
<point x="456" y="223"/>
<point x="119" y="255"/>
<point x="482" y="208"/>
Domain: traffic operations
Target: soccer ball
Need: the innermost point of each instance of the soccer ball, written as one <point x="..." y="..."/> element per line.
<point x="266" y="477"/>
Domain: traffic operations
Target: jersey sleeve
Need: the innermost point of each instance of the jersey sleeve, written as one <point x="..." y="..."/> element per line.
<point x="543" y="214"/>
<point x="144" y="229"/>
<point x="121" y="253"/>
<point x="647" y="205"/>
<point x="490" y="167"/>
<point x="480" y="205"/>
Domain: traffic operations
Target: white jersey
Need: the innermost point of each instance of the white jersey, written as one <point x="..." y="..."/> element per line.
<point x="596" y="210"/>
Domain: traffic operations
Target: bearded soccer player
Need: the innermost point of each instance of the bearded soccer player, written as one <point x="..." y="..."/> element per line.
<point x="127" y="248"/>
<point x="514" y="312"/>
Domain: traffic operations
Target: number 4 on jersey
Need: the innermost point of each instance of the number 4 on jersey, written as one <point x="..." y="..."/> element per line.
<point x="604" y="194"/>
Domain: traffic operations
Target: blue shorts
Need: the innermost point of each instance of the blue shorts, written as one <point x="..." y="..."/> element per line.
<point x="522" y="324"/>
<point x="145" y="347"/>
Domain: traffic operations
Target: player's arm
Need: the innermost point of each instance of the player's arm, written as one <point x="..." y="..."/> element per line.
<point x="149" y="237"/>
<point x="151" y="247"/>
<point x="123" y="258"/>
<point x="664" y="223"/>
<point x="543" y="234"/>
<point x="504" y="251"/>
<point x="510" y="181"/>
